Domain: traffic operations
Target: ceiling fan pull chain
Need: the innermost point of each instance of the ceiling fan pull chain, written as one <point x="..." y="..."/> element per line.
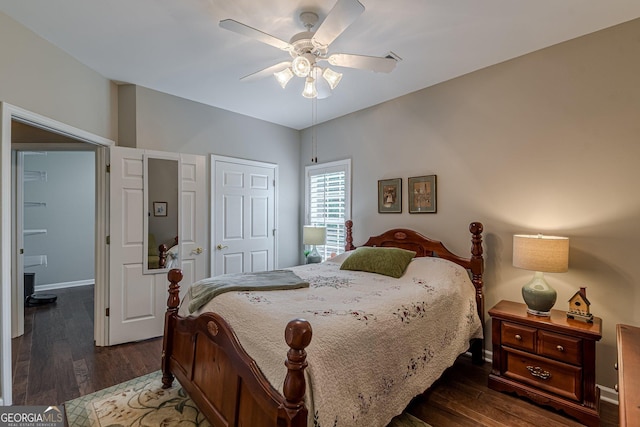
<point x="314" y="131"/>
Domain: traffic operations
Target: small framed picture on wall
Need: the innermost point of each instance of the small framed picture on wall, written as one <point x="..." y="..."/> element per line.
<point x="390" y="195"/>
<point x="159" y="208"/>
<point x="422" y="194"/>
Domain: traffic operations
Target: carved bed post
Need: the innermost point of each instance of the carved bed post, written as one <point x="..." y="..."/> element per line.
<point x="162" y="255"/>
<point x="174" y="276"/>
<point x="349" y="237"/>
<point x="298" y="336"/>
<point x="477" y="269"/>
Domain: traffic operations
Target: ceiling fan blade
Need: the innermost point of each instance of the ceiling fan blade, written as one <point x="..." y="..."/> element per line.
<point x="266" y="71"/>
<point x="373" y="63"/>
<point x="245" y="30"/>
<point x="343" y="13"/>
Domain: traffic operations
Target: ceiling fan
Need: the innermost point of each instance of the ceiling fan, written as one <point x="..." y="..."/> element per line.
<point x="310" y="48"/>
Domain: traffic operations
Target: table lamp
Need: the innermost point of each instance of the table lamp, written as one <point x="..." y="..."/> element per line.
<point x="542" y="254"/>
<point x="312" y="235"/>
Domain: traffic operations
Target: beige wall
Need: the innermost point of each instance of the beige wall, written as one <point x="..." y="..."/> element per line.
<point x="43" y="79"/>
<point x="548" y="142"/>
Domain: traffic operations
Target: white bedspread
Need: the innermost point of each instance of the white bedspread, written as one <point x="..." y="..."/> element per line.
<point x="377" y="341"/>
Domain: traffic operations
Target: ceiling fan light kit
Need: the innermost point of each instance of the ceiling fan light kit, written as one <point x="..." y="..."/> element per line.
<point x="310" y="90"/>
<point x="301" y="65"/>
<point x="332" y="77"/>
<point x="307" y="48"/>
<point x="283" y="76"/>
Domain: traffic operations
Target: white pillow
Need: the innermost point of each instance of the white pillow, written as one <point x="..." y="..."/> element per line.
<point x="340" y="258"/>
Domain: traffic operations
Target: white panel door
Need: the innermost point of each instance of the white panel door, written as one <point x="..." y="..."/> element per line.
<point x="134" y="309"/>
<point x="194" y="220"/>
<point x="243" y="215"/>
<point x="137" y="301"/>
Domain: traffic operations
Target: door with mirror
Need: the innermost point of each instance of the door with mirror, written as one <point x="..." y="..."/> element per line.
<point x="157" y="212"/>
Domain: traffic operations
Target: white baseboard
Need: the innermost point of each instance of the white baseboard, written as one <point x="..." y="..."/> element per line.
<point x="62" y="285"/>
<point x="607" y="394"/>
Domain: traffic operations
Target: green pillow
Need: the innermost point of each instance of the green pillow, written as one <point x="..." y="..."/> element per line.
<point x="388" y="261"/>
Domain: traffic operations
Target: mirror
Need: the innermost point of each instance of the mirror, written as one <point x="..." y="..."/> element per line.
<point x="162" y="207"/>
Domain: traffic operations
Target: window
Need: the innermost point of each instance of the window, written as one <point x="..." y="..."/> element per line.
<point x="328" y="202"/>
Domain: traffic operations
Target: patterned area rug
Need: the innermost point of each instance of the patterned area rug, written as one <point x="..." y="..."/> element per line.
<point x="142" y="402"/>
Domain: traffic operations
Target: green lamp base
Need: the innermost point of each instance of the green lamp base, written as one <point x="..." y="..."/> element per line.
<point x="539" y="295"/>
<point x="314" y="257"/>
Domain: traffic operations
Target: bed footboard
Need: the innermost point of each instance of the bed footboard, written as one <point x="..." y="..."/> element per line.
<point x="204" y="355"/>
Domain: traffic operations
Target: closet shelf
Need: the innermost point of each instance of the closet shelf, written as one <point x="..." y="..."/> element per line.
<point x="34" y="232"/>
<point x="35" y="260"/>
<point x="30" y="176"/>
<point x="35" y="204"/>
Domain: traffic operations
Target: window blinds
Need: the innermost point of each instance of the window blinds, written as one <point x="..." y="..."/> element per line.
<point x="328" y="203"/>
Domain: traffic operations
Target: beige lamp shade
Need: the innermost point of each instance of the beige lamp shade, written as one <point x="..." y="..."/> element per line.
<point x="549" y="254"/>
<point x="312" y="235"/>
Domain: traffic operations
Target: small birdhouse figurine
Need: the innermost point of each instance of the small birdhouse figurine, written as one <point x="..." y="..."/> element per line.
<point x="579" y="307"/>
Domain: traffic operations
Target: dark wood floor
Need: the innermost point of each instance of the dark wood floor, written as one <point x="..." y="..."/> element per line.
<point x="56" y="361"/>
<point x="461" y="398"/>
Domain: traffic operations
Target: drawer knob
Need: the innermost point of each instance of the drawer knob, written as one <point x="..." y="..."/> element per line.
<point x="538" y="372"/>
<point x="519" y="337"/>
<point x="559" y="348"/>
<point x="615" y="366"/>
<point x="615" y="387"/>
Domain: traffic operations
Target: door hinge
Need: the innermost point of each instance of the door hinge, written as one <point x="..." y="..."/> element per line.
<point x="106" y="312"/>
<point x="108" y="240"/>
<point x="108" y="168"/>
<point x="274" y="182"/>
<point x="273" y="232"/>
<point x="21" y="251"/>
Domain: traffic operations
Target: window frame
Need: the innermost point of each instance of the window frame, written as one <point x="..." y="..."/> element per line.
<point x="321" y="169"/>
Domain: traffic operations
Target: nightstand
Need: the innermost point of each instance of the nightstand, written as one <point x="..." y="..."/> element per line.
<point x="550" y="360"/>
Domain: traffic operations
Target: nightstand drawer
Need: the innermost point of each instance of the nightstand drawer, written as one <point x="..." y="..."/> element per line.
<point x="518" y="336"/>
<point x="560" y="347"/>
<point x="554" y="377"/>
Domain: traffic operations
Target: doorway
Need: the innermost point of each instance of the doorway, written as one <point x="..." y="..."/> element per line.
<point x="55" y="221"/>
<point x="13" y="121"/>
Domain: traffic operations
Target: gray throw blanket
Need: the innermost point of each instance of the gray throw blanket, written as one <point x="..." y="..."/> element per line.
<point x="205" y="290"/>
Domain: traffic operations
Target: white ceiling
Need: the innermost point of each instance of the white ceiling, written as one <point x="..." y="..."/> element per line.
<point x="177" y="47"/>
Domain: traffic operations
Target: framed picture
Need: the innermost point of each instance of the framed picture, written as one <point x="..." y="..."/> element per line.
<point x="390" y="195"/>
<point x="159" y="208"/>
<point x="422" y="194"/>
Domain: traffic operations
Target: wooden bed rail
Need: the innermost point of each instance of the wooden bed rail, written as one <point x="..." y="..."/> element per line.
<point x="210" y="330"/>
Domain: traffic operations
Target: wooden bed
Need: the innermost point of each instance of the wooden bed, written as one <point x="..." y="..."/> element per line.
<point x="204" y="354"/>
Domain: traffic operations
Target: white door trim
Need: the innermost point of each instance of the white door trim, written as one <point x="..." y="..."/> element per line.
<point x="212" y="240"/>
<point x="8" y="113"/>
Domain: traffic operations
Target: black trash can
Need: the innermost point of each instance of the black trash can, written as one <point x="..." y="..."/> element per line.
<point x="30" y="297"/>
<point x="29" y="284"/>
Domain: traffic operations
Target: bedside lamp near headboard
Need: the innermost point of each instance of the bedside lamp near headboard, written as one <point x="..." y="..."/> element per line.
<point x="542" y="254"/>
<point x="312" y="235"/>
